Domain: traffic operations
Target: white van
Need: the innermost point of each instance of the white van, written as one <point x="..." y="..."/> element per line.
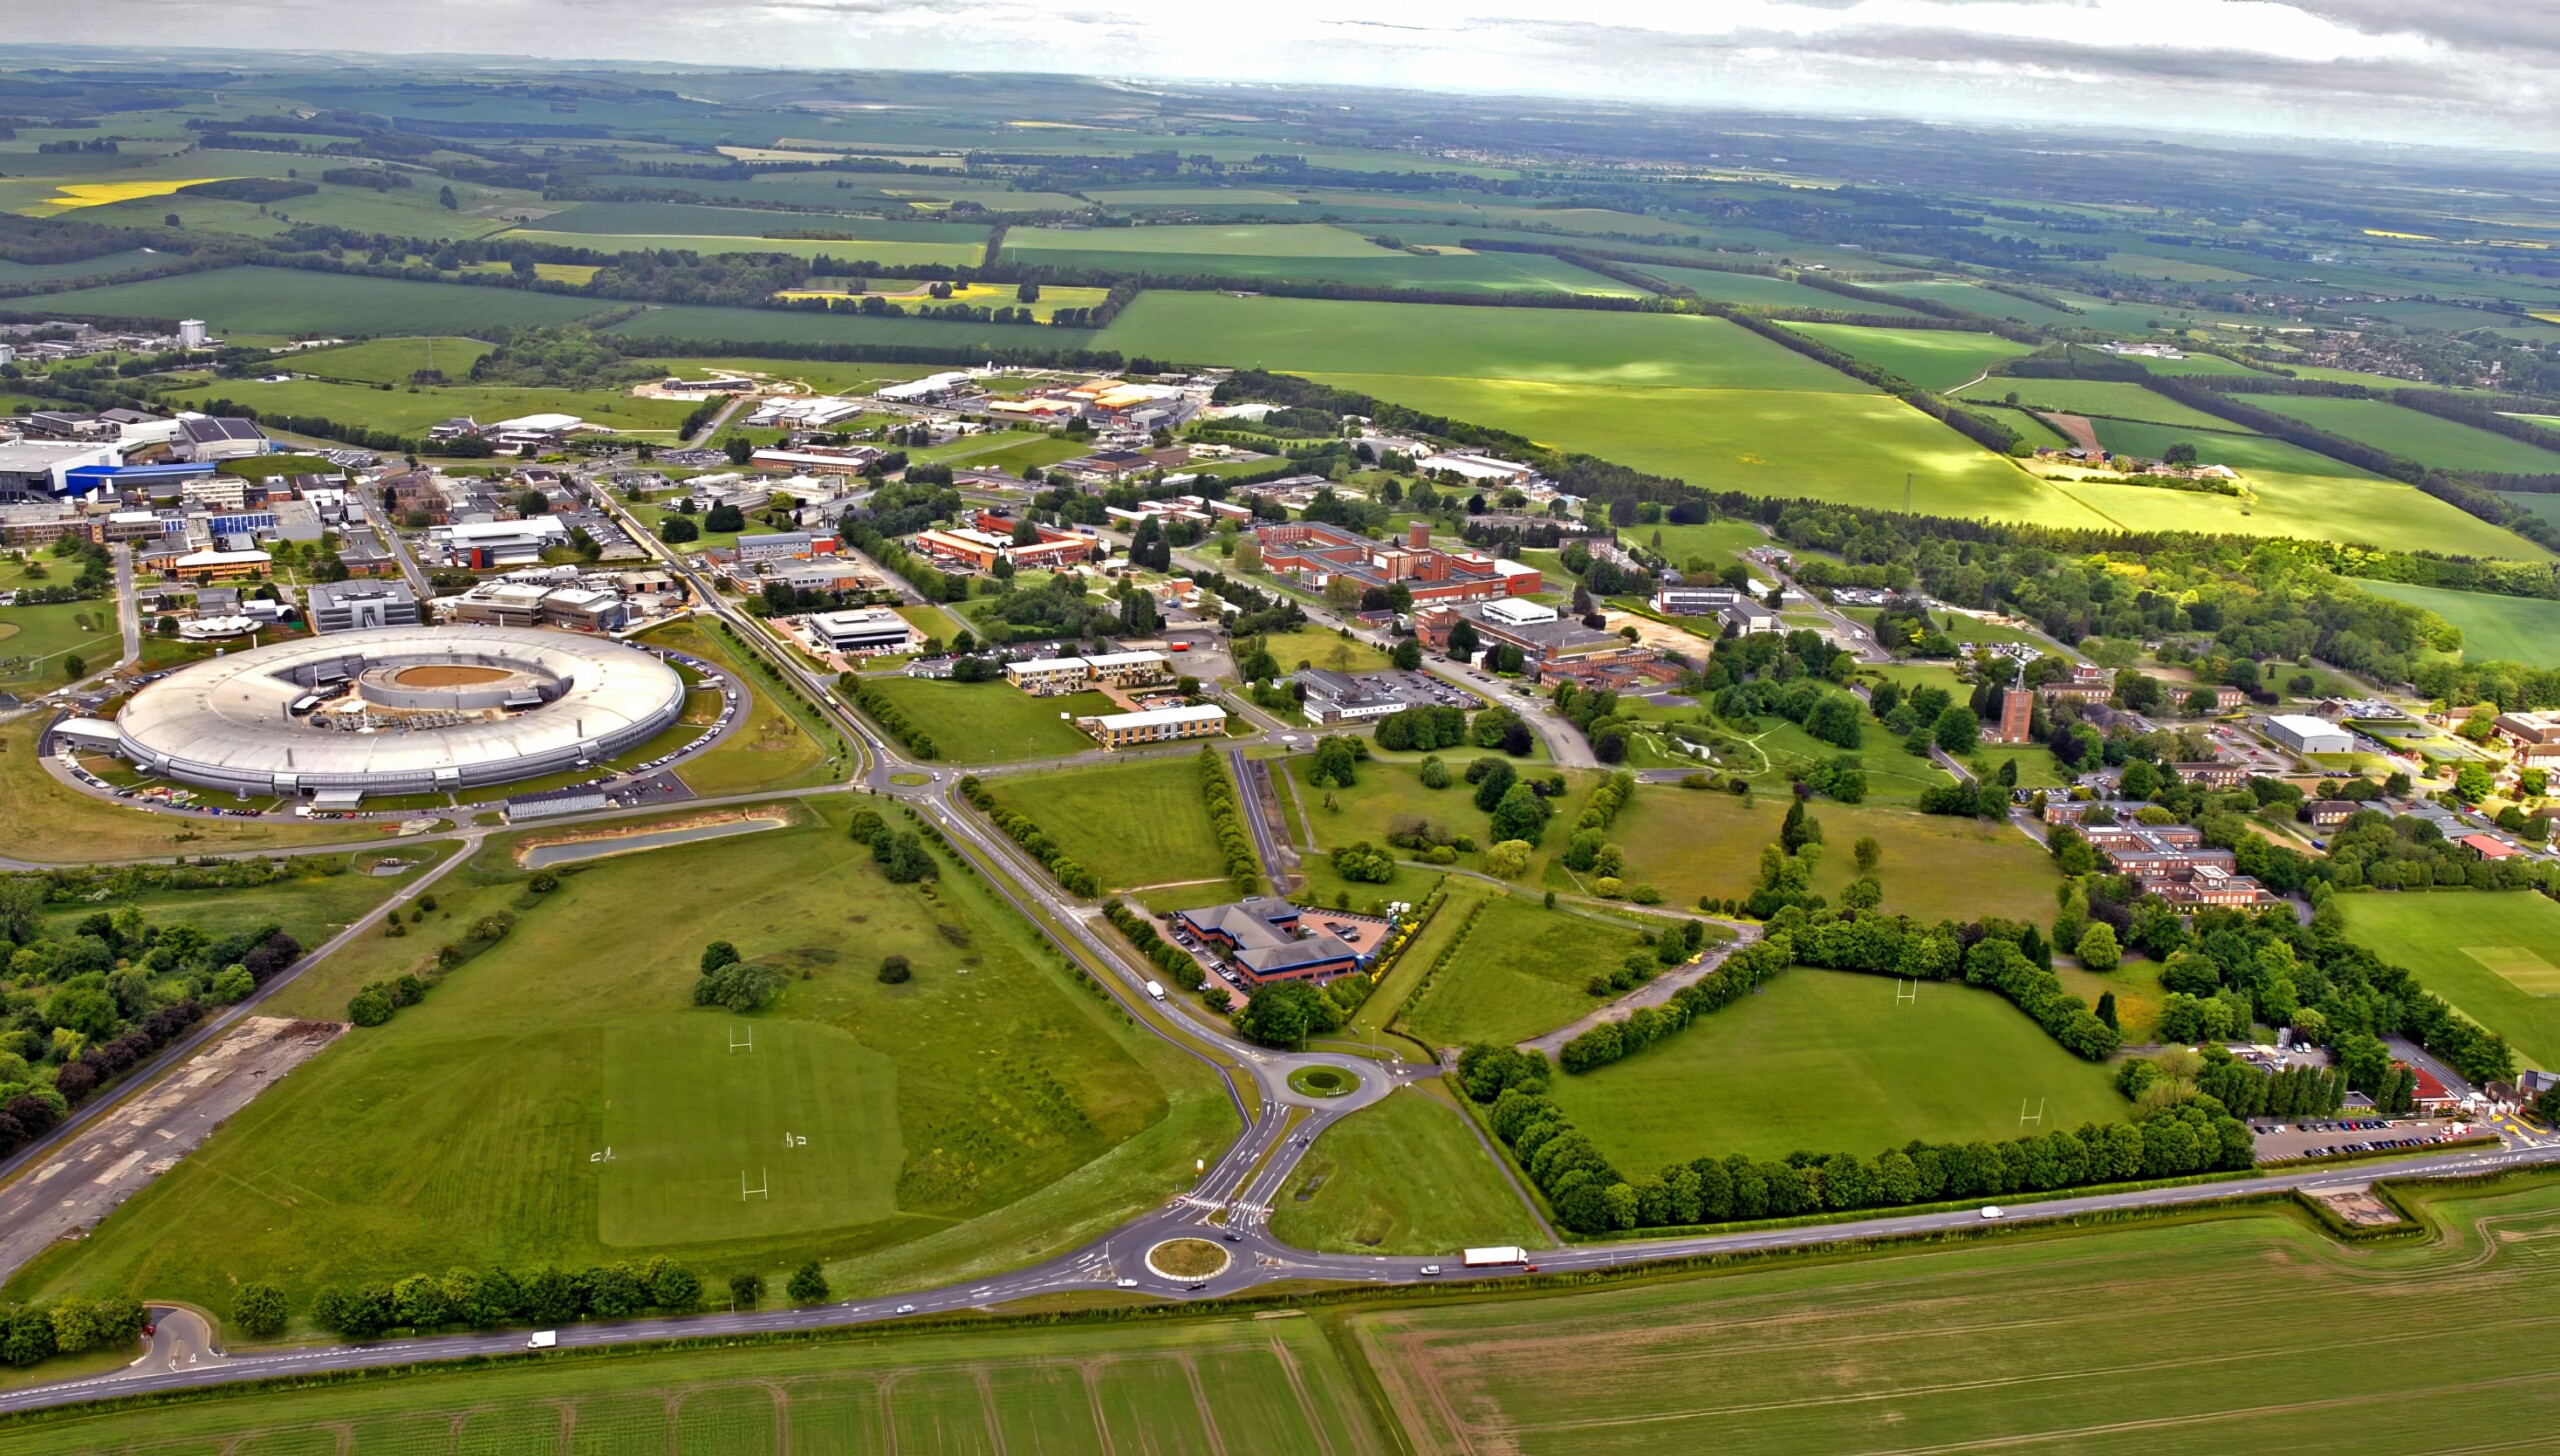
<point x="543" y="1340"/>
<point x="1156" y="989"/>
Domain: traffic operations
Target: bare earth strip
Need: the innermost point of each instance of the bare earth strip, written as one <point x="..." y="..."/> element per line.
<point x="88" y="1176"/>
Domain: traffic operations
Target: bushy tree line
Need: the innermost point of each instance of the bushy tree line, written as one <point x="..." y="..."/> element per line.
<point x="1422" y="729"/>
<point x="378" y="1000"/>
<point x="499" y="1297"/>
<point x="1226" y="820"/>
<point x="1068" y="871"/>
<point x="33" y="1333"/>
<point x="899" y="853"/>
<point x="1654" y="953"/>
<point x="1742" y="972"/>
<point x="893" y="719"/>
<point x="1164" y="955"/>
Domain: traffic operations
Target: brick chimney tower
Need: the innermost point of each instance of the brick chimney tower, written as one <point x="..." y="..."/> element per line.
<point x="1418" y="535"/>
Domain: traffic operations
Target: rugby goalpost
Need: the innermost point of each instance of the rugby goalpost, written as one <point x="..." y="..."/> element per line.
<point x="736" y="1045"/>
<point x="1906" y="993"/>
<point x="2025" y="1118"/>
<point x="763" y="1188"/>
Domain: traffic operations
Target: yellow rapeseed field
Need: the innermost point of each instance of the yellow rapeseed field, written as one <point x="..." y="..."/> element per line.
<point x="95" y="194"/>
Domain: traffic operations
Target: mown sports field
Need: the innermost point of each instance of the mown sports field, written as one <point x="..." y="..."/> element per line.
<point x="557" y="1099"/>
<point x="1832" y="1062"/>
<point x="2495" y="956"/>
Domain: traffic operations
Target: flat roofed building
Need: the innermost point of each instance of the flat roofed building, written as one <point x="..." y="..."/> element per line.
<point x="1268" y="939"/>
<point x="1157" y="725"/>
<point x="2305" y="734"/>
<point x="204" y="437"/>
<point x="351" y="606"/>
<point x="1694" y="601"/>
<point x="862" y="631"/>
<point x="1043" y="677"/>
<point x="1129" y="669"/>
<point x="202" y="566"/>
<point x="782" y="546"/>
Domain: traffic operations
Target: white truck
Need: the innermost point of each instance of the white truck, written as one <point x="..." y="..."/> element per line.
<point x="543" y="1340"/>
<point x="1156" y="989"/>
<point x="1498" y="1256"/>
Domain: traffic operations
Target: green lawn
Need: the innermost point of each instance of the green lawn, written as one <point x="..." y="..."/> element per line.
<point x="1324" y="649"/>
<point x="1930" y="358"/>
<point x="993" y="722"/>
<point x="964" y="1119"/>
<point x="1972" y="297"/>
<point x="1518" y="974"/>
<point x="392" y="361"/>
<point x="1404" y="1177"/>
<point x="1829" y="1061"/>
<point x="410" y="410"/>
<point x="2495" y="956"/>
<point x="1752" y="289"/>
<point x="781" y="745"/>
<point x="2494" y="628"/>
<point x="744" y="328"/>
<point x="1131" y="824"/>
<point x="2430" y="439"/>
<point x="297" y="301"/>
<point x="37" y="643"/>
<point x="326" y="894"/>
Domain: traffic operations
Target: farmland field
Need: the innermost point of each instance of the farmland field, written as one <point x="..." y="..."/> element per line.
<point x="2446" y="444"/>
<point x="100" y="267"/>
<point x="693" y="322"/>
<point x="993" y="722"/>
<point x="1276" y="1387"/>
<point x="1931" y="358"/>
<point x="2493" y="955"/>
<point x="1300" y="252"/>
<point x="296" y="301"/>
<point x="2063" y="1346"/>
<point x="2494" y="628"/>
<point x="1518" y="974"/>
<point x="865" y="250"/>
<point x="1830" y="1061"/>
<point x="1753" y="289"/>
<point x="473" y="1128"/>
<point x="1251" y="240"/>
<point x="2096" y="397"/>
<point x="1972" y="297"/>
<point x="695" y="220"/>
<point x="1403" y="1177"/>
<point x="1131" y="824"/>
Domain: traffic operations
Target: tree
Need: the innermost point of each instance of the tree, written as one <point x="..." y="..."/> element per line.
<point x="1866" y="854"/>
<point x="746" y="1290"/>
<point x="1463" y="642"/>
<point x="1956" y="730"/>
<point x="74" y="667"/>
<point x="894" y="971"/>
<point x="717" y="954"/>
<point x="676" y="530"/>
<point x="2179" y="453"/>
<point x="724" y="517"/>
<point x="1407" y="654"/>
<point x="1507" y="860"/>
<point x="2098" y="950"/>
<point x="1520" y="814"/>
<point x="808" y="1284"/>
<point x="1286" y="1014"/>
<point x="1798" y="829"/>
<point x="444" y="199"/>
<point x="259" y="1311"/>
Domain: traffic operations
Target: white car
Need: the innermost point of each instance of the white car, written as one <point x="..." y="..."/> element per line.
<point x="906" y="1309"/>
<point x="1128" y="1283"/>
<point x="1430" y="1269"/>
<point x="1992" y="1210"/>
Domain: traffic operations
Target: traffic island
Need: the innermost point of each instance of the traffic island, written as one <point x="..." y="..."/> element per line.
<point x="1187" y="1259"/>
<point x="1323" y="1082"/>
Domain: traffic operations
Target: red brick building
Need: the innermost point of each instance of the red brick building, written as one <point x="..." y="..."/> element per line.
<point x="1314" y="552"/>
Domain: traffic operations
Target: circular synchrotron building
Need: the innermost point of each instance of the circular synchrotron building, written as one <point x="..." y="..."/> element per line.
<point x="400" y="710"/>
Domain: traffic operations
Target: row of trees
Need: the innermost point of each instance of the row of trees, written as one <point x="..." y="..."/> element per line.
<point x="1164" y="955"/>
<point x="1065" y="868"/>
<point x="893" y="719"/>
<point x="1226" y="821"/>
<point x="33" y="1333"/>
<point x="496" y="1298"/>
<point x="1742" y="973"/>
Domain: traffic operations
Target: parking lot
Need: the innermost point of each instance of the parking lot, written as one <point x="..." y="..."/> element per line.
<point x="2327" y="1137"/>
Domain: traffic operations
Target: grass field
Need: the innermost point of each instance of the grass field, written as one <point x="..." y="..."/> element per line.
<point x="1406" y="1176"/>
<point x="412" y="409"/>
<point x="993" y="722"/>
<point x="849" y="250"/>
<point x="1931" y="358"/>
<point x="1829" y="1061"/>
<point x="782" y="745"/>
<point x="2446" y="444"/>
<point x="294" y="301"/>
<point x="2062" y="1346"/>
<point x="100" y="267"/>
<point x="1518" y="974"/>
<point x="2496" y="957"/>
<point x="1972" y="297"/>
<point x="1299" y="252"/>
<point x="1321" y="648"/>
<point x="1131" y="824"/>
<point x="982" y="1101"/>
<point x="685" y="219"/>
<point x="1256" y="240"/>
<point x="37" y="643"/>
<point x="392" y="361"/>
<point x="323" y="897"/>
<point x="2494" y="628"/>
<point x="1753" y="289"/>
<point x="2096" y="398"/>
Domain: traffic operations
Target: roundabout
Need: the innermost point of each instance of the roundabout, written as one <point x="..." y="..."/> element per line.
<point x="1323" y="1081"/>
<point x="1187" y="1259"/>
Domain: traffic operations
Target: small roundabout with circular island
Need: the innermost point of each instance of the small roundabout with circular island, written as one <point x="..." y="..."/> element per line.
<point x="1187" y="1260"/>
<point x="1324" y="1080"/>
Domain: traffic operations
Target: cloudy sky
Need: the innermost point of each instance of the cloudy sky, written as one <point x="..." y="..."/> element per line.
<point x="2477" y="72"/>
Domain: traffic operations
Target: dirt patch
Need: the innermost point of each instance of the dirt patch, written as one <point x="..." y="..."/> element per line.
<point x="448" y="675"/>
<point x="2076" y="428"/>
<point x="2359" y="1208"/>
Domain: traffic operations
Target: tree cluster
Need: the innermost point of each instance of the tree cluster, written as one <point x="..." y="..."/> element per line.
<point x="1065" y="868"/>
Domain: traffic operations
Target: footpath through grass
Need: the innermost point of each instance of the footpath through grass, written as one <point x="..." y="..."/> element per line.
<point x="1406" y="1176"/>
<point x="1831" y="1062"/>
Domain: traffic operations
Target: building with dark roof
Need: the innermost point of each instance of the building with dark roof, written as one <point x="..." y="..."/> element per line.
<point x="204" y="437"/>
<point x="1268" y="939"/>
